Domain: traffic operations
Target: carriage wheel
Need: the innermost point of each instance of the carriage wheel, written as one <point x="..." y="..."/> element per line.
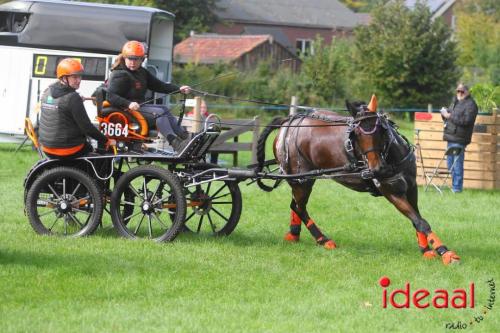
<point x="157" y="194"/>
<point x="127" y="207"/>
<point x="64" y="201"/>
<point x="213" y="208"/>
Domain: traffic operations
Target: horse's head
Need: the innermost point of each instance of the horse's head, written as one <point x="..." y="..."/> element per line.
<point x="368" y="133"/>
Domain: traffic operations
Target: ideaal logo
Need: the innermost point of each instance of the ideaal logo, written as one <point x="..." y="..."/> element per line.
<point x="440" y="299"/>
<point x="423" y="298"/>
<point x="477" y="318"/>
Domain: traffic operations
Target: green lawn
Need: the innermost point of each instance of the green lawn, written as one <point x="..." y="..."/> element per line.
<point x="251" y="281"/>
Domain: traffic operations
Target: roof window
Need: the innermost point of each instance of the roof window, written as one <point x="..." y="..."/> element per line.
<point x="13" y="22"/>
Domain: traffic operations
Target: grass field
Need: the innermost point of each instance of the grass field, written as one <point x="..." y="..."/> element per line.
<point x="251" y="281"/>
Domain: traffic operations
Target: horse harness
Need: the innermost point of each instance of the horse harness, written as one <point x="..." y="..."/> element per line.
<point x="355" y="165"/>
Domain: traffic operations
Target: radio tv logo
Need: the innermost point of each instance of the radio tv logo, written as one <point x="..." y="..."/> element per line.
<point x="422" y="298"/>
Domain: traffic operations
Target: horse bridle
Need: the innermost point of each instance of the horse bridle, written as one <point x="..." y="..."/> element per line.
<point x="355" y="126"/>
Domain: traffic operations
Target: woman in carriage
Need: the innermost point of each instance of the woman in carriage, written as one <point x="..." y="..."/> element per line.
<point x="128" y="84"/>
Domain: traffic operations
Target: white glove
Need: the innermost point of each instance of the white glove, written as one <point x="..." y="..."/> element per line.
<point x="134" y="106"/>
<point x="185" y="89"/>
<point x="444" y="112"/>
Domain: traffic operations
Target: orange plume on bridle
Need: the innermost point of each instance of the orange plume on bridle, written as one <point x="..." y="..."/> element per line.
<point x="372" y="106"/>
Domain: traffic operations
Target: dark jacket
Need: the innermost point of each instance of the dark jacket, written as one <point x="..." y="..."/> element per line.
<point x="128" y="86"/>
<point x="459" y="127"/>
<point x="64" y="122"/>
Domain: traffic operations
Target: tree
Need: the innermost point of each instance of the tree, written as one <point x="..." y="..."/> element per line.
<point x="408" y="58"/>
<point x="190" y="15"/>
<point x="324" y="72"/>
<point x="478" y="33"/>
<point x="363" y="6"/>
<point x="486" y="96"/>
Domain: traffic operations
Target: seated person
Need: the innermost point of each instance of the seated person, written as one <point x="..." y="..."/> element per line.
<point x="128" y="84"/>
<point x="203" y="110"/>
<point x="64" y="124"/>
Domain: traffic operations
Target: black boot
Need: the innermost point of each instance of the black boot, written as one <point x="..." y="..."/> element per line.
<point x="183" y="135"/>
<point x="178" y="144"/>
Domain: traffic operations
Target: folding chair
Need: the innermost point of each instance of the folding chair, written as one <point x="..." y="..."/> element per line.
<point x="439" y="175"/>
<point x="31" y="133"/>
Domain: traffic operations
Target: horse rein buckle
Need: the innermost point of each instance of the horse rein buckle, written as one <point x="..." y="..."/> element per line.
<point x="367" y="174"/>
<point x="348" y="145"/>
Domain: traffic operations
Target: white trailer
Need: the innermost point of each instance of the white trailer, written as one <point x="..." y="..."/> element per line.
<point x="36" y="35"/>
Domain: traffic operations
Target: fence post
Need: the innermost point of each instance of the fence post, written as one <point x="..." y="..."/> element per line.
<point x="255" y="138"/>
<point x="494" y="133"/>
<point x="429" y="108"/>
<point x="197" y="115"/>
<point x="293" y="103"/>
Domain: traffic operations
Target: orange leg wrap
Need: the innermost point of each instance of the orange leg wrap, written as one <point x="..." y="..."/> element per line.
<point x="423" y="244"/>
<point x="430" y="254"/>
<point x="330" y="245"/>
<point x="294" y="234"/>
<point x="422" y="240"/>
<point x="294" y="219"/>
<point x="434" y="240"/>
<point x="450" y="257"/>
<point x="289" y="237"/>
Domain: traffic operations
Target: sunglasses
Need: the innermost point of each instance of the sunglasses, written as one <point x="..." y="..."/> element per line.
<point x="460" y="92"/>
<point x="135" y="58"/>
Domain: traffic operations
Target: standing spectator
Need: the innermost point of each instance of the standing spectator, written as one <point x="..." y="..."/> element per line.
<point x="204" y="114"/>
<point x="203" y="111"/>
<point x="459" y="121"/>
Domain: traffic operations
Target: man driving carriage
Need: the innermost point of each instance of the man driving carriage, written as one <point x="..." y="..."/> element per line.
<point x="128" y="84"/>
<point x="64" y="124"/>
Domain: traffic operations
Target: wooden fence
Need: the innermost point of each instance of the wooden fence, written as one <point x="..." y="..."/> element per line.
<point x="228" y="141"/>
<point x="482" y="156"/>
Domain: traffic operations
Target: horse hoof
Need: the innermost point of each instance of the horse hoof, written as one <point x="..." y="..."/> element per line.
<point x="429" y="254"/>
<point x="450" y="258"/>
<point x="289" y="237"/>
<point x="330" y="245"/>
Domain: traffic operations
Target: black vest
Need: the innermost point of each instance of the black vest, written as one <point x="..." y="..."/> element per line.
<point x="57" y="128"/>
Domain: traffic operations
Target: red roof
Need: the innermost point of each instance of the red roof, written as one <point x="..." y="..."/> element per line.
<point x="209" y="49"/>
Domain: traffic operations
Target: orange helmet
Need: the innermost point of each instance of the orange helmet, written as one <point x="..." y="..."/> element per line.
<point x="69" y="66"/>
<point x="133" y="48"/>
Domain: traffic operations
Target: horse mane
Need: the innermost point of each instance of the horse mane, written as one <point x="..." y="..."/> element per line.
<point x="355" y="106"/>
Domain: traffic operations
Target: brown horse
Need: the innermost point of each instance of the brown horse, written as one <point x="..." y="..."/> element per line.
<point x="364" y="153"/>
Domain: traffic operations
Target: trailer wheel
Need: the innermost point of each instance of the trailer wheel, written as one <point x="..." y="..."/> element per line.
<point x="64" y="201"/>
<point x="157" y="195"/>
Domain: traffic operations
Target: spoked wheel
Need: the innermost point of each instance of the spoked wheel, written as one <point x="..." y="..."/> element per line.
<point x="64" y="201"/>
<point x="157" y="196"/>
<point x="128" y="205"/>
<point x="213" y="208"/>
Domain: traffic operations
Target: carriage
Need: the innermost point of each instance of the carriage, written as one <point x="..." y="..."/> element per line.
<point x="146" y="190"/>
<point x="157" y="194"/>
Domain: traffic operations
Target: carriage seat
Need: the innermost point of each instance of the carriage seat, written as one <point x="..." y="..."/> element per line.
<point x="136" y="120"/>
<point x="199" y="144"/>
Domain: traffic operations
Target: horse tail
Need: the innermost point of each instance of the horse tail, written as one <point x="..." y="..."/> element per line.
<point x="261" y="149"/>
